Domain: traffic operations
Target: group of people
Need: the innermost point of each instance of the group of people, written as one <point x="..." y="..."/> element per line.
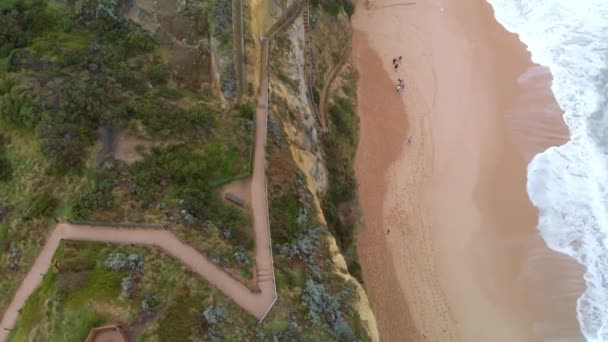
<point x="400" y="83"/>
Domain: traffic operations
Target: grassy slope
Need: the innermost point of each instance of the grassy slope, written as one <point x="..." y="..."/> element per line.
<point x="219" y="141"/>
<point x="84" y="293"/>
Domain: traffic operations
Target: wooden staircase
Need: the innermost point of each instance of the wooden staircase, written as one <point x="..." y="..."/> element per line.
<point x="308" y="61"/>
<point x="264" y="273"/>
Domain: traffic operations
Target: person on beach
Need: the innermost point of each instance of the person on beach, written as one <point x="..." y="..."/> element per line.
<point x="396" y="66"/>
<point x="398" y="87"/>
<point x="400" y="84"/>
<point x="400" y="58"/>
<point x="409" y="140"/>
<point x="394" y="61"/>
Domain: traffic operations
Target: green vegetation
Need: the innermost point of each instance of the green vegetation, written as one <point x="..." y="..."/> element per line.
<point x="41" y="205"/>
<point x="247" y="110"/>
<point x="72" y="80"/>
<point x="340" y="201"/>
<point x="6" y="171"/>
<point x="333" y="7"/>
<point x="69" y="73"/>
<point x="288" y="216"/>
<point x="312" y="297"/>
<point x="157" y="73"/>
<point x="220" y="20"/>
<point x="163" y="301"/>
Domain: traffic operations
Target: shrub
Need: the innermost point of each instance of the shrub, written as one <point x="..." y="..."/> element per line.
<point x="349" y="7"/>
<point x="305" y="245"/>
<point x="247" y="110"/>
<point x="148" y="305"/>
<point x="332" y="8"/>
<point x="344" y="118"/>
<point x="324" y="309"/>
<point x="157" y="74"/>
<point x="127" y="284"/>
<point x="285" y="211"/>
<point x="215" y="314"/>
<point x="100" y="197"/>
<point x="41" y="205"/>
<point x="220" y="18"/>
<point x="122" y="262"/>
<point x="215" y="335"/>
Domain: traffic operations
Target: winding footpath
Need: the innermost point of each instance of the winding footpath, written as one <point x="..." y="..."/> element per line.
<point x="329" y="78"/>
<point x="256" y="303"/>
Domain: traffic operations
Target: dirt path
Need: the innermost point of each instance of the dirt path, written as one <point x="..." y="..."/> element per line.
<point x="257" y="304"/>
<point x="329" y="78"/>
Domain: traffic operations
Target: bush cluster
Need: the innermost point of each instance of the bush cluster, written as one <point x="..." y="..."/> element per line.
<point x="148" y="305"/>
<point x="41" y="205"/>
<point x="247" y="110"/>
<point x="220" y="19"/>
<point x="127" y="284"/>
<point x="157" y="74"/>
<point x="333" y="7"/>
<point x="324" y="308"/>
<point x="339" y="148"/>
<point x="99" y="197"/>
<point x="191" y="172"/>
<point x="75" y="92"/>
<point x="285" y="213"/>
<point x="122" y="262"/>
<point x="215" y="314"/>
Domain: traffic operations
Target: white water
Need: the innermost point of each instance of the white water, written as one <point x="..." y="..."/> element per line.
<point x="569" y="183"/>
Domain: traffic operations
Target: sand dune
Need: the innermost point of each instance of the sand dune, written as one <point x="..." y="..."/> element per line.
<point x="463" y="259"/>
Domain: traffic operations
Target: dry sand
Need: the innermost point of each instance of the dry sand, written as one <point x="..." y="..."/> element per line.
<point x="463" y="259"/>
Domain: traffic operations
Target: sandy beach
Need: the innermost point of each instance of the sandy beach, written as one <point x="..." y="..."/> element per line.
<point x="450" y="250"/>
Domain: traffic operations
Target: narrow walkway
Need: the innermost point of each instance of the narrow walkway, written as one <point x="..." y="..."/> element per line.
<point x="329" y="78"/>
<point x="308" y="64"/>
<point x="258" y="304"/>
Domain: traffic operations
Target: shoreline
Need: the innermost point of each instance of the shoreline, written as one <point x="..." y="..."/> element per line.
<point x="463" y="259"/>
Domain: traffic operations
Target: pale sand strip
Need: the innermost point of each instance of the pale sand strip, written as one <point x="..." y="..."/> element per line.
<point x="463" y="251"/>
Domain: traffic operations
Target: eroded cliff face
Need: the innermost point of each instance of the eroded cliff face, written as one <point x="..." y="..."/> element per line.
<point x="291" y="112"/>
<point x="288" y="96"/>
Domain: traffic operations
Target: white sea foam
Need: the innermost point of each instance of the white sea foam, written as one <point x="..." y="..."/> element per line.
<point x="569" y="183"/>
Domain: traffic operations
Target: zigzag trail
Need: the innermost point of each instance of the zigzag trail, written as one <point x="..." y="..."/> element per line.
<point x="256" y="303"/>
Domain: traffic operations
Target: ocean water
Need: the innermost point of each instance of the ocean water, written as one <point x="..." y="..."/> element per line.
<point x="569" y="183"/>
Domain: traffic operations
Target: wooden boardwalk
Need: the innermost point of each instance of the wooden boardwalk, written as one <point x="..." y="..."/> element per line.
<point x="257" y="304"/>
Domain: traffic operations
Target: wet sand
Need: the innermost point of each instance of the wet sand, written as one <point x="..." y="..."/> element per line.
<point x="450" y="249"/>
